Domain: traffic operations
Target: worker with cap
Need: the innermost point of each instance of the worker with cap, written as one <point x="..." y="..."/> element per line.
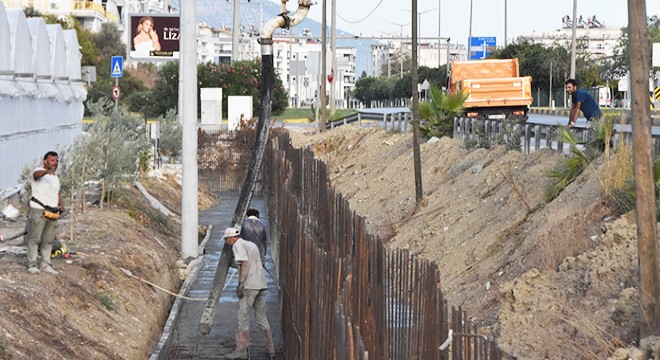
<point x="251" y="291"/>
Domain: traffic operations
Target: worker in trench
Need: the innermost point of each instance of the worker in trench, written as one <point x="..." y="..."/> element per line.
<point x="251" y="291"/>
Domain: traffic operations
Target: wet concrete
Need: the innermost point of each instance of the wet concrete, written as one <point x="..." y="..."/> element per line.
<point x="186" y="341"/>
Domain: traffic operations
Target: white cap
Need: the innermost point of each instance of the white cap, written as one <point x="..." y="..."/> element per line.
<point x="231" y="231"/>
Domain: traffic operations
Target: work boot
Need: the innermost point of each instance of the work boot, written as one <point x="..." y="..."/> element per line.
<point x="242" y="339"/>
<point x="270" y="349"/>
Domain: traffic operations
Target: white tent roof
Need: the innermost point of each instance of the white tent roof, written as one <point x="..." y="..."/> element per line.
<point x="21" y="43"/>
<point x="5" y="48"/>
<point x="57" y="52"/>
<point x="40" y="47"/>
<point x="73" y="55"/>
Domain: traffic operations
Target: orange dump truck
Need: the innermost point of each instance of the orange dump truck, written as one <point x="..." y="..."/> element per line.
<point x="495" y="88"/>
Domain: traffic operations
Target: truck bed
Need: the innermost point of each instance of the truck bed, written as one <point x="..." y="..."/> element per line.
<point x="509" y="91"/>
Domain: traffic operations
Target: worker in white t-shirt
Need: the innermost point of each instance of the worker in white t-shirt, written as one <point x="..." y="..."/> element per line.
<point x="251" y="291"/>
<point x="45" y="206"/>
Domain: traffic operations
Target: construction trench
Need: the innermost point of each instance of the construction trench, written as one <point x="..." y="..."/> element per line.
<point x="339" y="294"/>
<point x="342" y="294"/>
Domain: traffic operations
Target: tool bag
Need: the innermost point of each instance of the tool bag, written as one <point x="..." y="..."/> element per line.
<point x="51" y="213"/>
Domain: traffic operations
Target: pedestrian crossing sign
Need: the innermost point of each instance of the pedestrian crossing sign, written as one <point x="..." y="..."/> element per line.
<point x="117" y="66"/>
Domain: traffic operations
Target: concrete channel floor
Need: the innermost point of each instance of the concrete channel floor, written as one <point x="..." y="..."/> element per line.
<point x="186" y="341"/>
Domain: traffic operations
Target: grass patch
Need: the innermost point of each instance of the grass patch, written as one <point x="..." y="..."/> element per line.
<point x="308" y="113"/>
<point x="105" y="299"/>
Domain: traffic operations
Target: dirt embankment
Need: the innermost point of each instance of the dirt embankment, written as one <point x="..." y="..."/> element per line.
<point x="553" y="281"/>
<point x="92" y="310"/>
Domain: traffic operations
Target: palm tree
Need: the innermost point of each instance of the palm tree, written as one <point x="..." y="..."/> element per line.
<point x="439" y="112"/>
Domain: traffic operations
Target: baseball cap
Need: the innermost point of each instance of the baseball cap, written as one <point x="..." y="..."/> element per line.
<point x="232" y="231"/>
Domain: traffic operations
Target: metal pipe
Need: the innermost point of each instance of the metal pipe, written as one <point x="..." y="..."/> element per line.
<point x="265" y="111"/>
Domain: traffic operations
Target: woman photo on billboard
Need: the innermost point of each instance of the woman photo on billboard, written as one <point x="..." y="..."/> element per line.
<point x="146" y="38"/>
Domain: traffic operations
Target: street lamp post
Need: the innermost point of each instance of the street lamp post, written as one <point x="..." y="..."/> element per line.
<point x="419" y="27"/>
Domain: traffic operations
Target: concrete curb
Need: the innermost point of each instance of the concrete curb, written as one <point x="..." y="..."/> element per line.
<point x="552" y="112"/>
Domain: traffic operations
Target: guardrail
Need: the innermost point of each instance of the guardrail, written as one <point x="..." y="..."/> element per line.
<point x="538" y="136"/>
<point x="396" y="121"/>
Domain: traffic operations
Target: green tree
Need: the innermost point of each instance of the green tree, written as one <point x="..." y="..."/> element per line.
<point x="88" y="48"/>
<point x="362" y="90"/>
<point x="109" y="44"/>
<point x="619" y="66"/>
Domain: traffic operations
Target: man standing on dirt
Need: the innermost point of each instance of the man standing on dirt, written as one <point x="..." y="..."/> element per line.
<point x="255" y="231"/>
<point x="581" y="100"/>
<point x="46" y="200"/>
<point x="251" y="291"/>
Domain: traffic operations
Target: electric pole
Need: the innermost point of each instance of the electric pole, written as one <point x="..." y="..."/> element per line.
<point x="506" y="38"/>
<point x="417" y="162"/>
<point x="324" y="63"/>
<point x="647" y="236"/>
<point x="574" y="41"/>
<point x="333" y="50"/>
<point x="470" y="35"/>
<point x="188" y="117"/>
<point x="235" y="32"/>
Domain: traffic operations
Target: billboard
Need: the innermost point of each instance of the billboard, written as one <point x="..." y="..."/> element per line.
<point x="153" y="36"/>
<point x="481" y="47"/>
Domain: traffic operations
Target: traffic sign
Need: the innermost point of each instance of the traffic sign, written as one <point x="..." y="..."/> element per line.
<point x="116" y="91"/>
<point x="481" y="47"/>
<point x="331" y="76"/>
<point x="656" y="93"/>
<point x="117" y="66"/>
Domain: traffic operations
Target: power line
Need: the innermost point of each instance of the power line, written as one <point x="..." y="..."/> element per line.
<point x="364" y="18"/>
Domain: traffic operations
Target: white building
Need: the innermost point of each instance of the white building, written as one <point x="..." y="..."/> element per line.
<point x="213" y="44"/>
<point x="386" y="54"/>
<point x="595" y="37"/>
<point x="91" y="13"/>
<point x="298" y="63"/>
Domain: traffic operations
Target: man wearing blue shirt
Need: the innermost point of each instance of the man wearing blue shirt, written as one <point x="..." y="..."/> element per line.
<point x="581" y="100"/>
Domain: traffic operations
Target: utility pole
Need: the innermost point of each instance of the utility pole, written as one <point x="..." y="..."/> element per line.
<point x="333" y="49"/>
<point x="188" y="117"/>
<point x="470" y="35"/>
<point x="506" y="38"/>
<point x="324" y="63"/>
<point x="647" y="236"/>
<point x="417" y="162"/>
<point x="439" y="32"/>
<point x="550" y="92"/>
<point x="574" y="41"/>
<point x="236" y="31"/>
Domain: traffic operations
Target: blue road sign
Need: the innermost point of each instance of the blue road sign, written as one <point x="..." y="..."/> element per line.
<point x="481" y="47"/>
<point x="117" y="66"/>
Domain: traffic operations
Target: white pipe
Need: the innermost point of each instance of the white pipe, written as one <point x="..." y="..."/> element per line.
<point x="280" y="20"/>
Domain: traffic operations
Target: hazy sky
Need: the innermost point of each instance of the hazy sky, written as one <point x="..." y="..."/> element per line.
<point x="524" y="16"/>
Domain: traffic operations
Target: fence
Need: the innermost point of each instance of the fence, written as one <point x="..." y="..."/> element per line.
<point x="223" y="158"/>
<point x="344" y="296"/>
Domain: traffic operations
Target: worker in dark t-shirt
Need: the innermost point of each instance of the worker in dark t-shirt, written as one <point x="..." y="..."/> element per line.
<point x="581" y="100"/>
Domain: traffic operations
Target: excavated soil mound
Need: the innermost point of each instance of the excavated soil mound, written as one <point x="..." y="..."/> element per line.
<point x="553" y="281"/>
<point x="93" y="310"/>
